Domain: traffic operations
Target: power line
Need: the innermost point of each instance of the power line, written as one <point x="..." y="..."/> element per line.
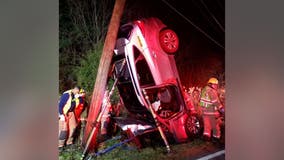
<point x="212" y="15"/>
<point x="199" y="29"/>
<point x="206" y="15"/>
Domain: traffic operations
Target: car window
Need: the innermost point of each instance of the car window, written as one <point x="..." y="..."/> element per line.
<point x="124" y="74"/>
<point x="125" y="31"/>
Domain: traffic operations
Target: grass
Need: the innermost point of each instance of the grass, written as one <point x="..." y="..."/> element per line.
<point x="128" y="151"/>
<point x="154" y="149"/>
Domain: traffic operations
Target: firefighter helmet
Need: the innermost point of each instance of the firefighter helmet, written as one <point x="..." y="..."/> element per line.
<point x="213" y="80"/>
<point x="82" y="90"/>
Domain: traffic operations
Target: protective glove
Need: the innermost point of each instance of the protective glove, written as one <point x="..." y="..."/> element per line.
<point x="61" y="117"/>
<point x="77" y="95"/>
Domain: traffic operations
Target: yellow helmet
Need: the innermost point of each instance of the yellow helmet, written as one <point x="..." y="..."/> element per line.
<point x="213" y="80"/>
<point x="82" y="90"/>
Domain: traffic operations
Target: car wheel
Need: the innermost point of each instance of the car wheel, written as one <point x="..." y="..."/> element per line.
<point x="193" y="126"/>
<point x="169" y="41"/>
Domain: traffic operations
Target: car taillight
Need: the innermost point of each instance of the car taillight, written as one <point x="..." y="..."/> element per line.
<point x="140" y="25"/>
<point x="169" y="41"/>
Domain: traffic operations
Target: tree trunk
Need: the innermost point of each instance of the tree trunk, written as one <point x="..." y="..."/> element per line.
<point x="104" y="66"/>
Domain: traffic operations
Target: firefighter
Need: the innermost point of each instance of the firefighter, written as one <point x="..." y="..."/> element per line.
<point x="67" y="119"/>
<point x="80" y="104"/>
<point x="210" y="104"/>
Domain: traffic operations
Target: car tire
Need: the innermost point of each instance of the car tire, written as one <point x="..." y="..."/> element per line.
<point x="194" y="126"/>
<point x="169" y="41"/>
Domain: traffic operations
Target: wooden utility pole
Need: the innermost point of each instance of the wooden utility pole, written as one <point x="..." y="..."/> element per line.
<point x="104" y="66"/>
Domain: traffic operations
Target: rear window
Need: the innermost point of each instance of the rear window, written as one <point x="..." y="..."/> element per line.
<point x="125" y="31"/>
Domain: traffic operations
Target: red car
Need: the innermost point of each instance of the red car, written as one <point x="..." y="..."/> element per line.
<point x="144" y="61"/>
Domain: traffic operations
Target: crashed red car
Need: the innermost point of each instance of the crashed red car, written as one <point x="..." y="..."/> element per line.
<point x="144" y="60"/>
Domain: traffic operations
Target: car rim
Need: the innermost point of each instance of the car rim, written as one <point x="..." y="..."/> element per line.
<point x="169" y="41"/>
<point x="193" y="125"/>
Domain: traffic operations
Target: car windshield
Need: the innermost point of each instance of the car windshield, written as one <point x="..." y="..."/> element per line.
<point x="166" y="100"/>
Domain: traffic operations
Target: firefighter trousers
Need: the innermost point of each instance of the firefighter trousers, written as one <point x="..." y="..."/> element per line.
<point x="66" y="129"/>
<point x="211" y="123"/>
